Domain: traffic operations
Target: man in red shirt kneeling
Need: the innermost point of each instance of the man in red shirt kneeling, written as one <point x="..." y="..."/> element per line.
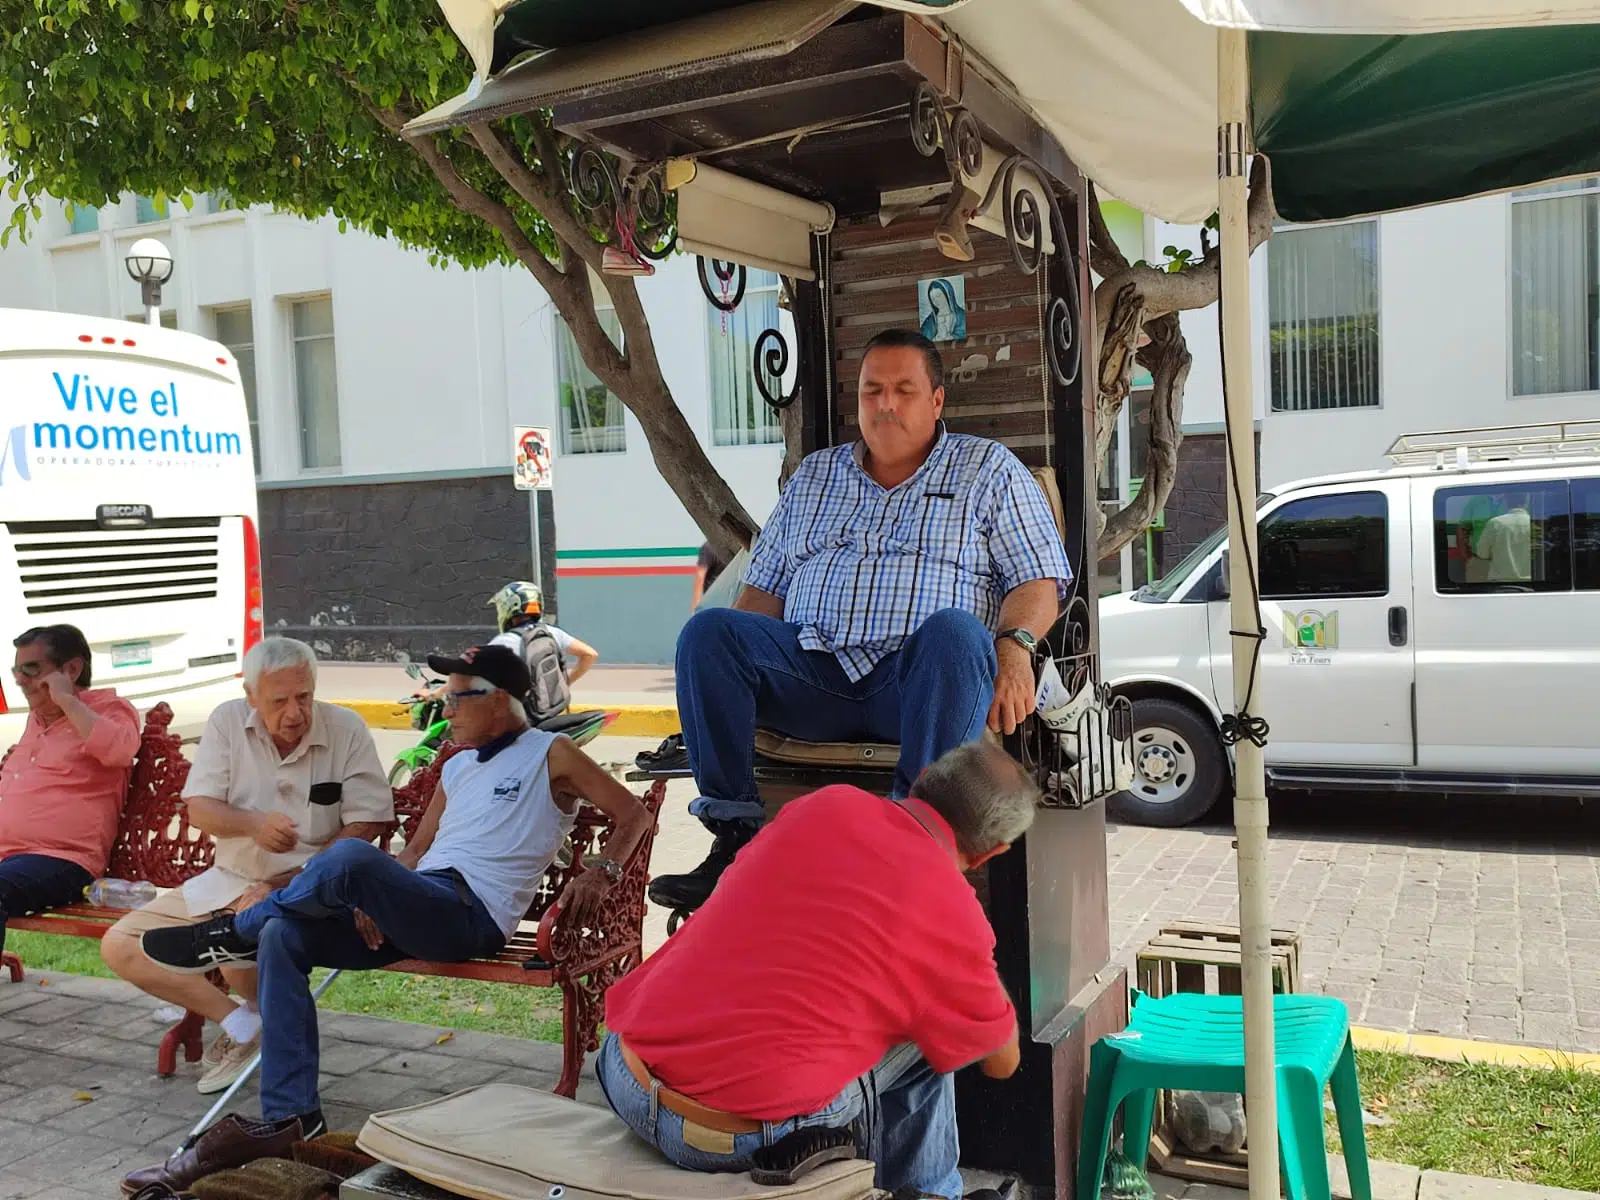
<point x="839" y="974"/>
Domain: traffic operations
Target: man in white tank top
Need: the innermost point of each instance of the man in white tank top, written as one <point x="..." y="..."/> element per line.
<point x="456" y="892"/>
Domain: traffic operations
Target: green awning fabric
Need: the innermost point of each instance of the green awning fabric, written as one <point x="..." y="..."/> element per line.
<point x="1369" y="124"/>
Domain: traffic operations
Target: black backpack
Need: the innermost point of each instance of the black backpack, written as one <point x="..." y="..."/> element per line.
<point x="547" y="667"/>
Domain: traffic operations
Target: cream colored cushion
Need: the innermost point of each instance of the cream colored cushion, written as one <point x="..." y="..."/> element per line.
<point x="776" y="746"/>
<point x="502" y="1142"/>
<point x="1045" y="477"/>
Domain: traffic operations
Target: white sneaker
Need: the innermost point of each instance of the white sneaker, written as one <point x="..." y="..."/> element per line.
<point x="232" y="1059"/>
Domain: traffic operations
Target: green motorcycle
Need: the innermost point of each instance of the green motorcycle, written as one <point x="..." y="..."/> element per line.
<point x="427" y="716"/>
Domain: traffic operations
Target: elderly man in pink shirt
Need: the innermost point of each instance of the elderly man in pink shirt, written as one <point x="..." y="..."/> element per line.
<point x="62" y="789"/>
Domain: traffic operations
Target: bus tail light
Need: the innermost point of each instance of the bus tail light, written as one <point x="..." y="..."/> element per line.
<point x="254" y="616"/>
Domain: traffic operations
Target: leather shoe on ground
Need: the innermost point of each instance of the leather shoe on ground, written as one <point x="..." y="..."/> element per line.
<point x="231" y="1142"/>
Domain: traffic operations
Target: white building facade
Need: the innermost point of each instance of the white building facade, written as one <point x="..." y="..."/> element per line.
<point x="384" y="392"/>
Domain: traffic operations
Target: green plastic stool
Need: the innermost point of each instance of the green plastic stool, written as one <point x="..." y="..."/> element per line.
<point x="1196" y="1042"/>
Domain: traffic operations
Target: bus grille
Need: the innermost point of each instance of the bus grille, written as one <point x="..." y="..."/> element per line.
<point x="67" y="565"/>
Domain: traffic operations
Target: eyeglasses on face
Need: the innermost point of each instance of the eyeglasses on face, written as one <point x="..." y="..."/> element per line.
<point x="454" y="699"/>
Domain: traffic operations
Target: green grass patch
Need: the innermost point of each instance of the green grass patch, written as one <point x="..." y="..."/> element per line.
<point x="1521" y="1123"/>
<point x="525" y="1012"/>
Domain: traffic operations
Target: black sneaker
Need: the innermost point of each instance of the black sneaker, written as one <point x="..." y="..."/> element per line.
<point x="688" y="892"/>
<point x="671" y="755"/>
<point x="196" y="949"/>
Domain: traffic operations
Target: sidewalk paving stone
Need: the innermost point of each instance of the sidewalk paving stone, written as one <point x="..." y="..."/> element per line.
<point x="1442" y="1185"/>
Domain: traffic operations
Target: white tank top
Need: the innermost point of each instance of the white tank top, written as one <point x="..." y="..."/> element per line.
<point x="501" y="827"/>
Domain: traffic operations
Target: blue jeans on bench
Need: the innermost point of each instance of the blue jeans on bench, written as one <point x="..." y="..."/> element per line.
<point x="309" y="923"/>
<point x="902" y="1112"/>
<point x="33" y="882"/>
<point x="739" y="670"/>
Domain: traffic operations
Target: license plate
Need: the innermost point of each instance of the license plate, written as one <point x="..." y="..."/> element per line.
<point x="131" y="654"/>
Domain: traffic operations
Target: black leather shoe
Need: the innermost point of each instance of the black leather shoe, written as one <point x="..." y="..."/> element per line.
<point x="689" y="891"/>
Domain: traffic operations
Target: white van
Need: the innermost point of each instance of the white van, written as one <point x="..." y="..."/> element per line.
<point x="127" y="504"/>
<point x="1434" y="626"/>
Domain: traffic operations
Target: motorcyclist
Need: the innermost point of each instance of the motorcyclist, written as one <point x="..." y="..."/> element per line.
<point x="522" y="603"/>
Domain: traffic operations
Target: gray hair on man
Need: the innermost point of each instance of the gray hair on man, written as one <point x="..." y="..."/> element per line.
<point x="983" y="793"/>
<point x="277" y="654"/>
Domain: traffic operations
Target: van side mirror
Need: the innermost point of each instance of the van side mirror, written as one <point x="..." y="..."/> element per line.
<point x="1223" y="589"/>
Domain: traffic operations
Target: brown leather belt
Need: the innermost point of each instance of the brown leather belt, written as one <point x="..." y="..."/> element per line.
<point x="685" y="1107"/>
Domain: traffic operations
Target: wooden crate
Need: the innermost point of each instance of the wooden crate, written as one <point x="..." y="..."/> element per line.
<point x="1175" y="960"/>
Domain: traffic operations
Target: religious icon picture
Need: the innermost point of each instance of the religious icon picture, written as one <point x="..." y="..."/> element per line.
<point x="942" y="308"/>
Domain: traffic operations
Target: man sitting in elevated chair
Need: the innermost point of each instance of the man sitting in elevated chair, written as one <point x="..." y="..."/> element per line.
<point x="895" y="595"/>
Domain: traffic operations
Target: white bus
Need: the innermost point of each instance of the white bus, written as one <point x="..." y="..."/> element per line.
<point x="128" y="505"/>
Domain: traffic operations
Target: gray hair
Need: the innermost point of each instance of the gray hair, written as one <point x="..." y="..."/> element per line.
<point x="277" y="654"/>
<point x="985" y="795"/>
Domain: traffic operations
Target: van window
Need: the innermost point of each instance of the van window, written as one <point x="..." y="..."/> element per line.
<point x="1586" y="534"/>
<point x="1326" y="546"/>
<point x="1501" y="537"/>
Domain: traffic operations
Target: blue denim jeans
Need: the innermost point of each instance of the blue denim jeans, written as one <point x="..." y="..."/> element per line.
<point x="308" y="923"/>
<point x="33" y="882"/>
<point x="737" y="670"/>
<point x="902" y="1112"/>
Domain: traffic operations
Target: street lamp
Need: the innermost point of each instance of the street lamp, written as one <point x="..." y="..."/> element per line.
<point x="150" y="265"/>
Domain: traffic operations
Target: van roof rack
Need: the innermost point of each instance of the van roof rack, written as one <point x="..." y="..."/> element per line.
<point x="1495" y="444"/>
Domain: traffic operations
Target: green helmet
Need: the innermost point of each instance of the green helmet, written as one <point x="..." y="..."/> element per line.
<point x="515" y="601"/>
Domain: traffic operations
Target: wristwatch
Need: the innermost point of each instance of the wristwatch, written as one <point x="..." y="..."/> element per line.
<point x="1021" y="637"/>
<point x="610" y="867"/>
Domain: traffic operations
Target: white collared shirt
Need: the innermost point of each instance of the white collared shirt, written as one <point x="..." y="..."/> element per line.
<point x="238" y="763"/>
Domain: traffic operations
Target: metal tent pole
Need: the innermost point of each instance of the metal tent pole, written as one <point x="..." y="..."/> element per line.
<point x="1250" y="790"/>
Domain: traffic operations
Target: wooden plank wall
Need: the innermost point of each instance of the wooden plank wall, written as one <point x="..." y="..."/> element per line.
<point x="995" y="381"/>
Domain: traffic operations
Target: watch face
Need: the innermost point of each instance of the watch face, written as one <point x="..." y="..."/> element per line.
<point x="1022" y="637"/>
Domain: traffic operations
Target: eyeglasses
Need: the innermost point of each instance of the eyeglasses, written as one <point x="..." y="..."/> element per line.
<point x="454" y="699"/>
<point x="29" y="670"/>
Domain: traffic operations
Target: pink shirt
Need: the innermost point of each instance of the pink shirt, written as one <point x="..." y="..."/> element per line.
<point x="61" y="794"/>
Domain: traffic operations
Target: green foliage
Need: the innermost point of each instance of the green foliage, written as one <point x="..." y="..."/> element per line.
<point x="269" y="101"/>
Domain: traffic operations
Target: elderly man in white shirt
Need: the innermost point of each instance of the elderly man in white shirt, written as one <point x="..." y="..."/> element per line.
<point x="277" y="777"/>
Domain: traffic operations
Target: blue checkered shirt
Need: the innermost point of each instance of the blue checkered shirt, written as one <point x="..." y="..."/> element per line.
<point x="859" y="568"/>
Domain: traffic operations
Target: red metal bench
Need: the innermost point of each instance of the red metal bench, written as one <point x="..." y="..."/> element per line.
<point x="155" y="842"/>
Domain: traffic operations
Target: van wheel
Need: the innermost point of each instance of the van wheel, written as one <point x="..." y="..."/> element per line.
<point x="1179" y="767"/>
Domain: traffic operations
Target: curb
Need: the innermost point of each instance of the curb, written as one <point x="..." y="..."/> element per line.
<point x="633" y="720"/>
<point x="1495" y="1054"/>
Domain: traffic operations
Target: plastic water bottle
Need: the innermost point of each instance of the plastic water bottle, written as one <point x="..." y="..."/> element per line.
<point x="120" y="893"/>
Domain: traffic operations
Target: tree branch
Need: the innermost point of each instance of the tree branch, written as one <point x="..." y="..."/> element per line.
<point x="1169" y="361"/>
<point x="1105" y="256"/>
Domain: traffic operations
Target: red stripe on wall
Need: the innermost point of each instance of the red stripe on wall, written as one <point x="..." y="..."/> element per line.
<point x="560" y="571"/>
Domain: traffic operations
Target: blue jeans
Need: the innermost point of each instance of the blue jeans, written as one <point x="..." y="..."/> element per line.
<point x="34" y="882"/>
<point x="308" y="923"/>
<point x="902" y="1112"/>
<point x="737" y="670"/>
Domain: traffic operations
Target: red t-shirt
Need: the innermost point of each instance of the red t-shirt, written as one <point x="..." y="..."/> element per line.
<point x="843" y="930"/>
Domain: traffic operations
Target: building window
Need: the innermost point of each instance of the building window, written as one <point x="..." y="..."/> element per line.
<point x="169" y="318"/>
<point x="591" y="417"/>
<point x="1334" y="545"/>
<point x="1503" y="537"/>
<point x="82" y="218"/>
<point x="236" y="331"/>
<point x="1322" y="301"/>
<point x="739" y="416"/>
<point x="149" y="209"/>
<point x="316" y="384"/>
<point x="1555" y="289"/>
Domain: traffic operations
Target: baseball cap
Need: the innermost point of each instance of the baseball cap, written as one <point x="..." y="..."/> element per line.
<point x="500" y="665"/>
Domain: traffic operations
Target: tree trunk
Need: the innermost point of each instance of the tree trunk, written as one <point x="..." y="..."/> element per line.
<point x="1167" y="356"/>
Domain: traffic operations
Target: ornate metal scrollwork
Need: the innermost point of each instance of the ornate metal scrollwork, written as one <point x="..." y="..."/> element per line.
<point x="934" y="129"/>
<point x="772" y="359"/>
<point x="727" y="296"/>
<point x="632" y="211"/>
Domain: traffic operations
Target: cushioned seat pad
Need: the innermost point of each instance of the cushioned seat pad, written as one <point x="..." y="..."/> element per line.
<point x="502" y="1142"/>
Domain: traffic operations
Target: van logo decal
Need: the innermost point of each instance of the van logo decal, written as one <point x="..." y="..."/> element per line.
<point x="1311" y="630"/>
<point x="16" y="449"/>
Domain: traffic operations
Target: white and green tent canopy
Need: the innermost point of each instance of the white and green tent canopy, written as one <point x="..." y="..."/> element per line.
<point x="1362" y="105"/>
